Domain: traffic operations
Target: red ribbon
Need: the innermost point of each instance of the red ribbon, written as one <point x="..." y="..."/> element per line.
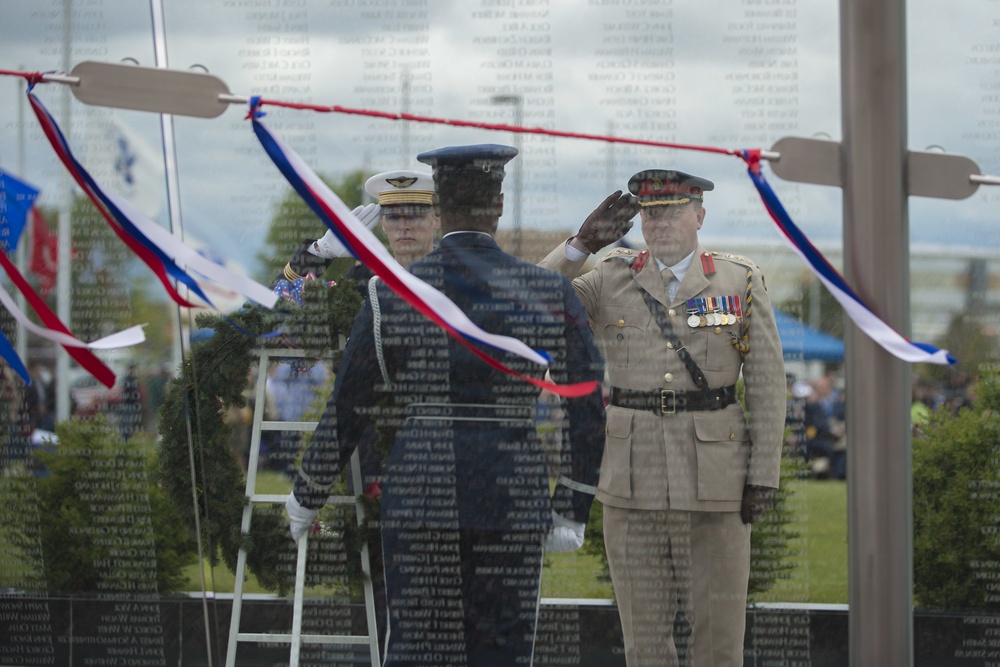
<point x="87" y="359"/>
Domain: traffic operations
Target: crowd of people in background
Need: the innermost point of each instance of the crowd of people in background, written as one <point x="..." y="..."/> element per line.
<point x="815" y="425"/>
<point x="929" y="397"/>
<point x="815" y="419"/>
<point x="131" y="405"/>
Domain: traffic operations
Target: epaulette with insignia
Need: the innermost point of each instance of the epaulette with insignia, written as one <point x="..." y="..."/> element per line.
<point x="618" y="253"/>
<point x="736" y="259"/>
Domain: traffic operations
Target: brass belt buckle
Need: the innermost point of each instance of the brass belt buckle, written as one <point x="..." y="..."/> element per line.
<point x="672" y="410"/>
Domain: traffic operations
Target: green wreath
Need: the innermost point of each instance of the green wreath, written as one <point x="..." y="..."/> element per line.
<point x="213" y="379"/>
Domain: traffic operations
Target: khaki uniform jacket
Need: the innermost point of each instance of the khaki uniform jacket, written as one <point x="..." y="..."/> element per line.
<point x="699" y="460"/>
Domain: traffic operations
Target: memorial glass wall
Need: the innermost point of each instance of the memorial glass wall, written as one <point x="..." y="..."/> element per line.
<point x="122" y="511"/>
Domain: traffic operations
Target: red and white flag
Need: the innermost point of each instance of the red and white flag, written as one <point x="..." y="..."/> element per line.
<point x="44" y="260"/>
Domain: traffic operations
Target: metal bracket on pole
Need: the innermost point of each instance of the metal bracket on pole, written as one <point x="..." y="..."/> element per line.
<point x="929" y="174"/>
<point x="184" y="93"/>
<point x="941" y="175"/>
<point x="798" y="159"/>
<point x="807" y="161"/>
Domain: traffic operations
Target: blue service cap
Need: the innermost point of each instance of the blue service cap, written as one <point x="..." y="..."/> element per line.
<point x="485" y="157"/>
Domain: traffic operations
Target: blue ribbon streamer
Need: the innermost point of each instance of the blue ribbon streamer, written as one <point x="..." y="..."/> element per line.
<point x="819" y="263"/>
<point x="14" y="361"/>
<point x="168" y="263"/>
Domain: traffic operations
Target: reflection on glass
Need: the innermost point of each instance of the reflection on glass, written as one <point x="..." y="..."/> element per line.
<point x="100" y="555"/>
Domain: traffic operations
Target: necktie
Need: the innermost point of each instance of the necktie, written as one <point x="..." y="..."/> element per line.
<point x="669" y="282"/>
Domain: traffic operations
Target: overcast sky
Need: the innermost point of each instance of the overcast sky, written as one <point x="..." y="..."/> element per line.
<point x="726" y="73"/>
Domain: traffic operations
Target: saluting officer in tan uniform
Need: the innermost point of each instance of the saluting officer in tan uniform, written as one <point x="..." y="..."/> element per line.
<point x="685" y="472"/>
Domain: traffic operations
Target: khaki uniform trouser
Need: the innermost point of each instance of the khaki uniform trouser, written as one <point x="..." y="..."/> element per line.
<point x="662" y="560"/>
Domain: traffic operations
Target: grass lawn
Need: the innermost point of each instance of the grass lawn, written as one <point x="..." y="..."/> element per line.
<point x="820" y="574"/>
<point x="574" y="575"/>
<point x="219" y="579"/>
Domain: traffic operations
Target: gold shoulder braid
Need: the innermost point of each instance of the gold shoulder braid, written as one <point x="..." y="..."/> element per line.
<point x="742" y="343"/>
<point x="290" y="274"/>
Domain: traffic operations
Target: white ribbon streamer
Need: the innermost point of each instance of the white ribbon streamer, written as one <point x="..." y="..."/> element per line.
<point x="190" y="258"/>
<point x="127" y="338"/>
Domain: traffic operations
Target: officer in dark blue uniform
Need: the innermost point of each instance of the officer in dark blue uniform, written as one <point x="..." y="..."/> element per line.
<point x="404" y="206"/>
<point x="466" y="506"/>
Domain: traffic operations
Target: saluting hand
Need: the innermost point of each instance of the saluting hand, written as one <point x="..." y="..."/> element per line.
<point x="330" y="247"/>
<point x="610" y="221"/>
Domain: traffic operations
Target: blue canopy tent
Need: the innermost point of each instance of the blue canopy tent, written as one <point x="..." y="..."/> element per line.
<point x="800" y="342"/>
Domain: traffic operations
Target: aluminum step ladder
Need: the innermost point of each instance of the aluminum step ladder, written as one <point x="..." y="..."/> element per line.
<point x="296" y="639"/>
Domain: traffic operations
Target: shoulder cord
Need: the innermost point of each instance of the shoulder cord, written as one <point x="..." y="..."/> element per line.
<point x="656" y="308"/>
<point x="742" y="343"/>
<point x="377" y="326"/>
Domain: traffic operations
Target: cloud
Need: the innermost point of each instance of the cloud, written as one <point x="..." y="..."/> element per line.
<point x="661" y="71"/>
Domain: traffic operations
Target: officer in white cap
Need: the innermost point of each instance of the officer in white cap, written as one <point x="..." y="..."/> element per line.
<point x="402" y="204"/>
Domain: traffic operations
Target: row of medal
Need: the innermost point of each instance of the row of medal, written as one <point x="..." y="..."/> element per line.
<point x="712" y="311"/>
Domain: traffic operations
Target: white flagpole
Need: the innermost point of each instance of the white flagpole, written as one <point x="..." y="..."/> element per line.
<point x="20" y="257"/>
<point x="170" y="171"/>
<point x="63" y="277"/>
<point x="177" y="227"/>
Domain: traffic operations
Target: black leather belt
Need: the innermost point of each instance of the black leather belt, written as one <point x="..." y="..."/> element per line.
<point x="671" y="401"/>
<point x="473" y="412"/>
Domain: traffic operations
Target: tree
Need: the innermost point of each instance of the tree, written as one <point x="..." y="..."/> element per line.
<point x="972" y="339"/>
<point x="95" y="519"/>
<point x="956" y="506"/>
<point x="294" y="221"/>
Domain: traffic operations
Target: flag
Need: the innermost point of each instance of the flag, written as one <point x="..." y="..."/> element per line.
<point x="16" y="198"/>
<point x="133" y="167"/>
<point x="44" y="253"/>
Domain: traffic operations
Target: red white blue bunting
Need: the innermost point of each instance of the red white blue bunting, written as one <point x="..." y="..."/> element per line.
<point x="859" y="313"/>
<point x="125" y="338"/>
<point x="160" y="250"/>
<point x="366" y="247"/>
<point x="855" y="308"/>
<point x="83" y="356"/>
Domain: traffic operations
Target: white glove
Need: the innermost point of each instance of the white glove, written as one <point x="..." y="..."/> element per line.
<point x="300" y="519"/>
<point x="565" y="535"/>
<point x="330" y="247"/>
